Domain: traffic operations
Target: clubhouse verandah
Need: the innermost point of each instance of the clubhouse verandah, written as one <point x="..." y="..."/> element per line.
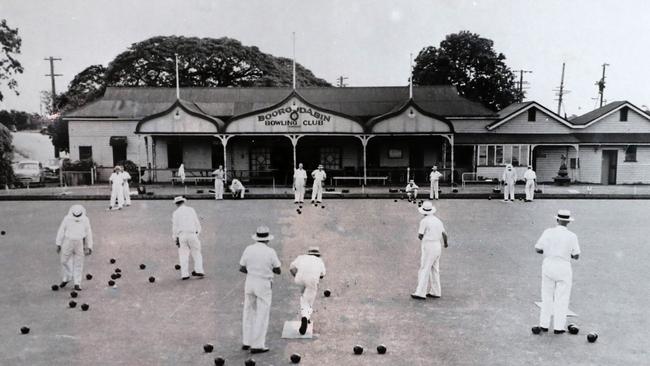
<point x="368" y="134"/>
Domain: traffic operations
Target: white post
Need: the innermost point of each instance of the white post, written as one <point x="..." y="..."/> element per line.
<point x="452" y="160"/>
<point x="294" y="60"/>
<point x="411" y="76"/>
<point x="178" y="93"/>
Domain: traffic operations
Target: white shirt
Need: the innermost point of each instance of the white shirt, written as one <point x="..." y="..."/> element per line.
<point x="181" y="171"/>
<point x="558" y="242"/>
<point x="300" y="176"/>
<point x="530" y="175"/>
<point x="308" y="266"/>
<point x="259" y="260"/>
<point x="318" y="175"/>
<point x="218" y="174"/>
<point x="435" y="176"/>
<point x="116" y="179"/>
<point x="509" y="175"/>
<point x="126" y="177"/>
<point x="185" y="220"/>
<point x="236" y="185"/>
<point x="431" y="228"/>
<point x="410" y="187"/>
<point x="75" y="228"/>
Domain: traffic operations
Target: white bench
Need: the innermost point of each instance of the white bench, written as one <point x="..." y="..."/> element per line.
<point x="360" y="179"/>
<point x="192" y="179"/>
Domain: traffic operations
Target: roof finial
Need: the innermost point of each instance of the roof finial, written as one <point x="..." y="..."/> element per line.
<point x="178" y="91"/>
<point x="294" y="60"/>
<point x="411" y="76"/>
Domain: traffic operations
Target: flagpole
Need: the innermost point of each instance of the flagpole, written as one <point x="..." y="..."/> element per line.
<point x="178" y="92"/>
<point x="294" y="60"/>
<point x="411" y="76"/>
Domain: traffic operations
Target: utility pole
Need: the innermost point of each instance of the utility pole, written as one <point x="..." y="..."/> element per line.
<point x="521" y="82"/>
<point x="601" y="85"/>
<point x="52" y="75"/>
<point x="560" y="91"/>
<point x="340" y="81"/>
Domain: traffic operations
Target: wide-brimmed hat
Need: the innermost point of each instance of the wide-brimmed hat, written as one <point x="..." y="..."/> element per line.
<point x="427" y="208"/>
<point x="179" y="199"/>
<point x="313" y="251"/>
<point x="77" y="210"/>
<point x="564" y="215"/>
<point x="509" y="166"/>
<point x="434" y="167"/>
<point x="262" y="234"/>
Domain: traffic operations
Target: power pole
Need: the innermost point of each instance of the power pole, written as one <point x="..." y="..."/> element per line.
<point x="601" y="85"/>
<point x="340" y="83"/>
<point x="52" y="75"/>
<point x="560" y="91"/>
<point x="521" y="82"/>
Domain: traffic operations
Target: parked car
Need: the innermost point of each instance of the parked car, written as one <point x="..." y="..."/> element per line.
<point x="51" y="169"/>
<point x="28" y="172"/>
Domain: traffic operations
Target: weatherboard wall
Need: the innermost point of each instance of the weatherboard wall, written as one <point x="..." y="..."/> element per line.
<point x="636" y="123"/>
<point x="98" y="133"/>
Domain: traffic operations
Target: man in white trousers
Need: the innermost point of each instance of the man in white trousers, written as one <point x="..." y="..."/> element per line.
<point x="319" y="177"/>
<point x="74" y="240"/>
<point x="299" y="182"/>
<point x="237" y="188"/>
<point x="531" y="181"/>
<point x="434" y="177"/>
<point x="185" y="232"/>
<point x="559" y="246"/>
<point x="411" y="190"/>
<point x="432" y="235"/>
<point x="509" y="179"/>
<point x="259" y="262"/>
<point x="126" y="177"/>
<point x="117" y="188"/>
<point x="308" y="270"/>
<point x="219" y="176"/>
<point x="181" y="173"/>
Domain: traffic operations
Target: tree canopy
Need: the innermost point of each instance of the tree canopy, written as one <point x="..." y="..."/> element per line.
<point x="6" y="155"/>
<point x="10" y="44"/>
<point x="470" y="63"/>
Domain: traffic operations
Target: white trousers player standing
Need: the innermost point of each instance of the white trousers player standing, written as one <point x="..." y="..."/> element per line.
<point x="257" y="308"/>
<point x="218" y="188"/>
<point x="186" y="228"/>
<point x="530" y="190"/>
<point x="126" y="188"/>
<point x="557" y="277"/>
<point x="308" y="270"/>
<point x="74" y="240"/>
<point x="189" y="244"/>
<point x="432" y="234"/>
<point x="299" y="194"/>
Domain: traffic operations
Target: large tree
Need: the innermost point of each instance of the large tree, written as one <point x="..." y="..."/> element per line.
<point x="6" y="155"/>
<point x="10" y="44"/>
<point x="469" y="62"/>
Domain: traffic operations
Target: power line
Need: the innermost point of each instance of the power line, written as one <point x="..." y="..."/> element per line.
<point x="560" y="92"/>
<point x="52" y="75"/>
<point x="601" y="85"/>
<point x="521" y="82"/>
<point x="340" y="81"/>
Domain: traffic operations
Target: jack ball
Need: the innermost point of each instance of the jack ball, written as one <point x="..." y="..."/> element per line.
<point x="142" y="266"/>
<point x="89" y="277"/>
<point x="327" y="293"/>
<point x="152" y="279"/>
<point x="177" y="267"/>
<point x="74" y="294"/>
<point x="591" y="337"/>
<point x="249" y="362"/>
<point x="358" y="350"/>
<point x="208" y="348"/>
<point x="111" y="283"/>
<point x="536" y="330"/>
<point x="381" y="349"/>
<point x="219" y="361"/>
<point x="85" y="307"/>
<point x="72" y="304"/>
<point x="112" y="260"/>
<point x="24" y="330"/>
<point x="55" y="287"/>
<point x="573" y="329"/>
<point x="295" y="358"/>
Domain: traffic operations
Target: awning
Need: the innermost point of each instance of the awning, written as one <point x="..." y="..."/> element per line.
<point x="118" y="141"/>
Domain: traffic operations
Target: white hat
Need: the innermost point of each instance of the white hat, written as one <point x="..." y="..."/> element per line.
<point x="320" y="166"/>
<point x="77" y="210"/>
<point x="427" y="208"/>
<point x="509" y="166"/>
<point x="179" y="199"/>
<point x="314" y="251"/>
<point x="564" y="215"/>
<point x="434" y="167"/>
<point x="262" y="234"/>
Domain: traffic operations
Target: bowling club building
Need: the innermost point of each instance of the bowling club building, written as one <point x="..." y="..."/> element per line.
<point x="376" y="135"/>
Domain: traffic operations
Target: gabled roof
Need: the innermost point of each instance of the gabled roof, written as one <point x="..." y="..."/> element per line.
<point x="409" y="104"/>
<point x="360" y="102"/>
<point x="596" y="115"/>
<point x="516" y="109"/>
<point x="189" y="108"/>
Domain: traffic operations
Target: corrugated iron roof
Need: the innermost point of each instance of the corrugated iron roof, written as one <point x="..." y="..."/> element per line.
<point x="596" y="113"/>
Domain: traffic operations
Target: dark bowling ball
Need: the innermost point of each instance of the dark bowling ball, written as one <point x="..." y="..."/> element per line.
<point x="118" y="275"/>
<point x="111" y="283"/>
<point x="142" y="266"/>
<point x="2" y="233"/>
<point x="113" y="276"/>
<point x="395" y="200"/>
<point x="322" y="206"/>
<point x="573" y="329"/>
<point x="381" y="349"/>
<point x="152" y="279"/>
<point x="536" y="330"/>
<point x="219" y="361"/>
<point x="74" y="294"/>
<point x="295" y="358"/>
<point x="177" y="267"/>
<point x="208" y="348"/>
<point x="89" y="277"/>
<point x="358" y="350"/>
<point x="117" y="270"/>
<point x="112" y="261"/>
<point x="55" y="287"/>
<point x="24" y="330"/>
<point x="591" y="337"/>
<point x="327" y="293"/>
<point x="249" y="362"/>
<point x="85" y="307"/>
<point x="72" y="304"/>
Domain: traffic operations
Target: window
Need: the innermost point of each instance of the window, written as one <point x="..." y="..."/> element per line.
<point x="574" y="163"/>
<point x="482" y="155"/>
<point x="490" y="160"/>
<point x="523" y="155"/>
<point x="395" y="153"/>
<point x="260" y="158"/>
<point x="330" y="157"/>
<point x="515" y="155"/>
<point x="623" y="114"/>
<point x="119" y="154"/>
<point x="532" y="115"/>
<point x="496" y="155"/>
<point x="85" y="152"/>
<point x="499" y="155"/>
<point x="174" y="154"/>
<point x="630" y="153"/>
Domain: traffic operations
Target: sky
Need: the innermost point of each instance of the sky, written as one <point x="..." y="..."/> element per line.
<point x="367" y="41"/>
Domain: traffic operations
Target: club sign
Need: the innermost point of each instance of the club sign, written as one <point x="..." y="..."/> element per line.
<point x="293" y="117"/>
